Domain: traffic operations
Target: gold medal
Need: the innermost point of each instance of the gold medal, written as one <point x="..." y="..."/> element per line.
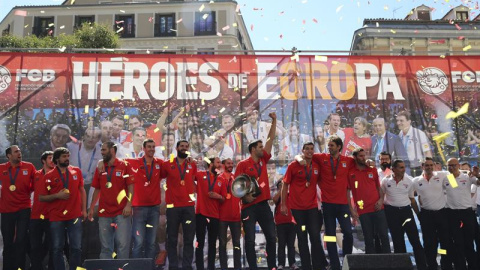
<point x="229" y="196"/>
<point x="182" y="182"/>
<point x="108" y="185"/>
<point x="307" y="184"/>
<point x="67" y="191"/>
<point x="12" y="188"/>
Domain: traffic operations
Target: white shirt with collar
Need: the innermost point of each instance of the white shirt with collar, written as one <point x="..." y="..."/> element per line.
<point x="398" y="194"/>
<point x="88" y="159"/>
<point x="431" y="192"/>
<point x="415" y="143"/>
<point x="460" y="197"/>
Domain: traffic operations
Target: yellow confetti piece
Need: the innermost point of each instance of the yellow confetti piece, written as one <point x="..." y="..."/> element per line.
<point x="149" y="226"/>
<point x="75" y="222"/>
<point x="393" y="31"/>
<point x="234" y="24"/>
<point x="162" y="147"/>
<point x="71" y="2"/>
<point x="165" y="187"/>
<point x="162" y="80"/>
<point x="86" y="108"/>
<point x="356" y="184"/>
<point x="48" y="188"/>
<point x="206" y="160"/>
<point x="170" y="205"/>
<point x="202" y="7"/>
<point x="80" y="268"/>
<point x="114" y="255"/>
<point x="101" y="211"/>
<point x="321" y="58"/>
<point x="126" y="176"/>
<point x="334" y="62"/>
<point x="122" y="194"/>
<point x="126" y="117"/>
<point x="115" y="98"/>
<point x="65" y="212"/>
<point x="205" y="16"/>
<point x="156" y="130"/>
<point x="259" y="259"/>
<point x="171" y="158"/>
<point x="188" y="222"/>
<point x="222" y="110"/>
<point x="442" y="56"/>
<point x="453" y="114"/>
<point x="330" y="239"/>
<point x="304" y="228"/>
<point x="466" y="48"/>
<point x="26" y="25"/>
<point x="441" y="137"/>
<point x="452" y="180"/>
<point x="442" y="251"/>
<point x="360" y="204"/>
<point x="406" y="220"/>
<point x="192" y="197"/>
<point x="346" y="215"/>
<point x="203" y="102"/>
<point x="295" y="57"/>
<point x="42" y="217"/>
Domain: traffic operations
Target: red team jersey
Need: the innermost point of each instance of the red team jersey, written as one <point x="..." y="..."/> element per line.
<point x="352" y="141"/>
<point x="334" y="186"/>
<point x="176" y="194"/>
<point x="364" y="184"/>
<point x="13" y="201"/>
<point x="302" y="197"/>
<point x="279" y="217"/>
<point x="230" y="208"/>
<point x="39" y="209"/>
<point x="207" y="182"/>
<point x="152" y="133"/>
<point x="61" y="210"/>
<point x="145" y="192"/>
<point x="120" y="177"/>
<point x="251" y="168"/>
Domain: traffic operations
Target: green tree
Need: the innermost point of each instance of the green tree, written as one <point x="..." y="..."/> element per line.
<point x="96" y="36"/>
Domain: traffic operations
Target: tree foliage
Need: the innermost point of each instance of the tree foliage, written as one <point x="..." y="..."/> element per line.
<point x="89" y="36"/>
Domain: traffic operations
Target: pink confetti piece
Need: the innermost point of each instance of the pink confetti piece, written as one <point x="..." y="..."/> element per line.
<point x="281" y="36"/>
<point x="179" y="20"/>
<point x="246" y="218"/>
<point x="251" y="27"/>
<point x="22" y="13"/>
<point x="225" y="28"/>
<point x="73" y="139"/>
<point x="150" y="19"/>
<point x="458" y="27"/>
<point x="119" y="22"/>
<point x="314" y="20"/>
<point x="262" y="184"/>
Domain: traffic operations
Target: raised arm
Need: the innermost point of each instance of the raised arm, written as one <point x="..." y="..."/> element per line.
<point x="271" y="133"/>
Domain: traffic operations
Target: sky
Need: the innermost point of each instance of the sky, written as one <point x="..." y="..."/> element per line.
<point x="308" y="24"/>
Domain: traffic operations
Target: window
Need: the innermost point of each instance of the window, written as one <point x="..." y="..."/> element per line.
<point x="43" y="26"/>
<point x="205" y="23"/>
<point x="165" y="25"/>
<point x="423" y="15"/>
<point x="6" y="31"/>
<point x="79" y="20"/>
<point x="206" y="51"/>
<point x="125" y="25"/>
<point x="462" y="15"/>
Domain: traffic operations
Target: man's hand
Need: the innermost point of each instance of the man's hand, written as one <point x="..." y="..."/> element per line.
<point x="90" y="214"/>
<point x="378" y="205"/>
<point x="214" y="195"/>
<point x="62" y="195"/>
<point x="273" y="115"/>
<point x="284" y="209"/>
<point x="354" y="214"/>
<point x="127" y="211"/>
<point x="248" y="198"/>
<point x="84" y="215"/>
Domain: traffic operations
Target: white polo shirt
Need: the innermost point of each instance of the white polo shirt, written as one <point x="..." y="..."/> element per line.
<point x="460" y="197"/>
<point x="432" y="193"/>
<point x="398" y="194"/>
<point x="415" y="143"/>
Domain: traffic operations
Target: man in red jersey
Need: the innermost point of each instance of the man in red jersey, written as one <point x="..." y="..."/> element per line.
<point x="229" y="218"/>
<point x="117" y="179"/>
<point x="180" y="200"/>
<point x="364" y="183"/>
<point x="146" y="201"/>
<point x="39" y="223"/>
<point x="334" y="171"/>
<point x="300" y="183"/>
<point x="16" y="179"/>
<point x="67" y="206"/>
<point x="256" y="209"/>
<point x="209" y="188"/>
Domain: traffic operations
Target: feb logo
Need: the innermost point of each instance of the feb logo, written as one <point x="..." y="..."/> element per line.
<point x="5" y="78"/>
<point x="432" y="81"/>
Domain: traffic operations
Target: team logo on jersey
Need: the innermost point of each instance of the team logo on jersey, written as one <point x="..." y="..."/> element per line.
<point x="25" y="172"/>
<point x="370" y="175"/>
<point x="189" y="166"/>
<point x="389" y="185"/>
<point x="219" y="184"/>
<point x="344" y="164"/>
<point x="315" y="171"/>
<point x="420" y="184"/>
<point x="251" y="169"/>
<point x="119" y="173"/>
<point x="157" y="166"/>
<point x="75" y="177"/>
<point x="172" y="167"/>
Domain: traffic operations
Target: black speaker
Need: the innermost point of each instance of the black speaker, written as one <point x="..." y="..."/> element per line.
<point x="377" y="262"/>
<point x="125" y="264"/>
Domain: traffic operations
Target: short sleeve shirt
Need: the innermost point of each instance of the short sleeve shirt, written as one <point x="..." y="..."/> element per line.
<point x="19" y="199"/>
<point x="176" y="193"/>
<point x="398" y="194"/>
<point x="364" y="184"/>
<point x="147" y="181"/>
<point x="301" y="196"/>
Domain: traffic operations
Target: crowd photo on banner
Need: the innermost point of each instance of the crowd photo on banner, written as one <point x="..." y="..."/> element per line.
<point x="281" y="171"/>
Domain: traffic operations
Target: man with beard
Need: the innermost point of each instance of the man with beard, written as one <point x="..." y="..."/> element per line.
<point x="16" y="178"/>
<point x="364" y="184"/>
<point x="384" y="141"/>
<point x="39" y="223"/>
<point x="117" y="179"/>
<point x="433" y="215"/>
<point x="180" y="200"/>
<point x="229" y="218"/>
<point x="209" y="189"/>
<point x="399" y="200"/>
<point x="256" y="209"/>
<point x="300" y="183"/>
<point x="66" y="199"/>
<point x="385" y="165"/>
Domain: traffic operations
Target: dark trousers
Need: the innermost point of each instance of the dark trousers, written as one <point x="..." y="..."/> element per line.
<point x="375" y="223"/>
<point x="262" y="214"/>
<point x="286" y="239"/>
<point x="204" y="224"/>
<point x="40" y="243"/>
<point x="310" y="222"/>
<point x="73" y="227"/>
<point x="90" y="235"/>
<point x="15" y="238"/>
<point x="235" y="230"/>
<point x="397" y="223"/>
<point x="331" y="214"/>
<point x="435" y="230"/>
<point x="462" y="231"/>
<point x="175" y="217"/>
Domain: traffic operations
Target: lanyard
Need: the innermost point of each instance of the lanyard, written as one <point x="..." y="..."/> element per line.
<point x="65" y="182"/>
<point x="211" y="186"/>
<point x="251" y="129"/>
<point x="259" y="169"/>
<point x="182" y="175"/>
<point x="334" y="171"/>
<point x="308" y="174"/>
<point x="91" y="158"/>
<point x="12" y="180"/>
<point x="148" y="173"/>
<point x="109" y="175"/>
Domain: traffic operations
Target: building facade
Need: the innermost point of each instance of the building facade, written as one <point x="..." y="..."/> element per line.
<point x="417" y="34"/>
<point x="206" y="26"/>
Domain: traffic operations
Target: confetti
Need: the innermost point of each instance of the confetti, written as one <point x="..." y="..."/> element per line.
<point x="156" y="130"/>
<point x="304" y="228"/>
<point x="122" y="11"/>
<point x="80" y="268"/>
<point x="22" y="13"/>
<point x="234" y="24"/>
<point x="179" y="20"/>
<point x="149" y="226"/>
<point x="75" y="222"/>
<point x="393" y="31"/>
<point x="360" y="204"/>
<point x="192" y="196"/>
<point x="42" y="217"/>
<point x="458" y="27"/>
<point x="188" y="222"/>
<point x="346" y="215"/>
<point x="251" y="27"/>
<point x="321" y="58"/>
<point x="463" y="110"/>
<point x="295" y="57"/>
<point x="72" y="2"/>
<point x="452" y="180"/>
<point x="120" y="30"/>
<point x="202" y="7"/>
<point x="62" y="49"/>
<point x="86" y="108"/>
<point x="126" y="176"/>
<point x="101" y="211"/>
<point x="114" y="225"/>
<point x="126" y="117"/>
<point x="170" y="205"/>
<point x="206" y="160"/>
<point x="225" y="28"/>
<point x="442" y="251"/>
<point x="356" y="184"/>
<point x="339" y="8"/>
<point x="330" y="239"/>
<point x="114" y="255"/>
<point x="466" y="48"/>
<point x="65" y="212"/>
<point x="246" y="218"/>
<point x="259" y="259"/>
<point x="205" y="16"/>
<point x="172" y="157"/>
<point x="222" y="110"/>
<point x="406" y="220"/>
<point x="138" y="234"/>
<point x="122" y="194"/>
